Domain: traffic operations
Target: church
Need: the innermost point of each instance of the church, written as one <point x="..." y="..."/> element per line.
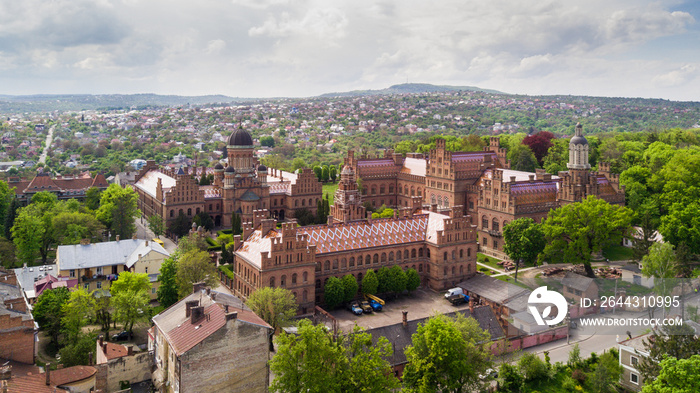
<point x="243" y="186"/>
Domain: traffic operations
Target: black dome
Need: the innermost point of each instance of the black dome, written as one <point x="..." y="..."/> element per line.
<point x="262" y="168"/>
<point x="240" y="137"/>
<point x="229" y="169"/>
<point x="218" y="166"/>
<point x="578" y="140"/>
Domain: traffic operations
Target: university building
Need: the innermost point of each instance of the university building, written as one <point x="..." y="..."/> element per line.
<point x="449" y="205"/>
<point x="243" y="186"/>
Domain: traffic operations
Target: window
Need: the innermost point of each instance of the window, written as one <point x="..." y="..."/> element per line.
<point x="634" y="378"/>
<point x="146" y="268"/>
<point x="72" y="273"/>
<point x="153" y="290"/>
<point x="294" y="279"/>
<point x="99" y="285"/>
<point x="484" y="242"/>
<point x="283" y="280"/>
<point x="272" y="282"/>
<point x="485" y="222"/>
<point x="305" y="277"/>
<point x="99" y="270"/>
<point x="634" y="361"/>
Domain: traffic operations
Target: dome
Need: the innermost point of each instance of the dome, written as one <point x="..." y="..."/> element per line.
<point x="218" y="166"/>
<point x="229" y="169"/>
<point x="262" y="168"/>
<point x="578" y="140"/>
<point x="240" y="137"/>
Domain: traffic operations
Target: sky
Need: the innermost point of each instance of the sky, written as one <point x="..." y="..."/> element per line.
<point x="301" y="48"/>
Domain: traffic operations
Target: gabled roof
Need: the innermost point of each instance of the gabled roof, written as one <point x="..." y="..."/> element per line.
<point x="492" y="289"/>
<point x="400" y="336"/>
<point x="122" y="252"/>
<point x="577" y="281"/>
<point x="183" y="335"/>
<point x="249" y="196"/>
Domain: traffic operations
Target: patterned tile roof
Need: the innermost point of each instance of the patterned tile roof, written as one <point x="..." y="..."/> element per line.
<point x="280" y="188"/>
<point x="376" y="163"/>
<point x="211" y="192"/>
<point x="536" y="187"/>
<point x="471" y="156"/>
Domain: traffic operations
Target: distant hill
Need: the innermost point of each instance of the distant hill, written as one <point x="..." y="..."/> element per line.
<point x="77" y="102"/>
<point x="409" y="88"/>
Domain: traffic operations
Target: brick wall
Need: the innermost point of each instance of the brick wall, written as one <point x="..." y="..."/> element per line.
<point x="16" y="339"/>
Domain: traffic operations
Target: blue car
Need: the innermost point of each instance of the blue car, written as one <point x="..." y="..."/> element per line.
<point x="376" y="306"/>
<point x="355" y="308"/>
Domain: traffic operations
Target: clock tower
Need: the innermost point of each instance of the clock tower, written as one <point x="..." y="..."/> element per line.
<point x="347" y="204"/>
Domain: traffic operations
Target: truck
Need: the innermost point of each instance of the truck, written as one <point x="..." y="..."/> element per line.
<point x="355" y="308"/>
<point x="458" y="299"/>
<point x="366" y="308"/>
<point x="454" y="291"/>
<point x="376" y="303"/>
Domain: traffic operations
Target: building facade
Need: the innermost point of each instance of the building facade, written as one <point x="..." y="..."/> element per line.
<point x="64" y="187"/>
<point x="243" y="186"/>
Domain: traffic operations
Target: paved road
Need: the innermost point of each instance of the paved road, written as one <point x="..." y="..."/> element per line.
<point x="47" y="146"/>
<point x="142" y="232"/>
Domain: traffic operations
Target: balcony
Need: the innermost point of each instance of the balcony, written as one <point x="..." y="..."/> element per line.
<point x="94" y="277"/>
<point x="494" y="233"/>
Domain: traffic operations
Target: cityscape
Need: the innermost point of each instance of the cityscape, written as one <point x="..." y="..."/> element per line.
<point x="432" y="206"/>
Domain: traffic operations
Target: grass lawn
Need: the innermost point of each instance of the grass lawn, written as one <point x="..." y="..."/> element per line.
<point x="486" y="270"/>
<point x="492" y="261"/>
<point x="329" y="188"/>
<point x="512" y="281"/>
<point x="552" y="284"/>
<point x="617" y="253"/>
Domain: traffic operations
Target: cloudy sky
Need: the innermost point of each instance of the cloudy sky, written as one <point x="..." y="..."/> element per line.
<point x="273" y="48"/>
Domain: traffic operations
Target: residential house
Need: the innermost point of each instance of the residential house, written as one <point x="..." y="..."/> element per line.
<point x="97" y="265"/>
<point x="76" y="379"/>
<point x="17" y="327"/>
<point x="577" y="287"/>
<point x="632" y="351"/>
<point x="210" y="342"/>
<point x="116" y="363"/>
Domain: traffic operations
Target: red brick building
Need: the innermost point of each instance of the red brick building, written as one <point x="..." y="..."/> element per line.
<point x="242" y="187"/>
<point x="17" y="333"/>
<point x="64" y="187"/>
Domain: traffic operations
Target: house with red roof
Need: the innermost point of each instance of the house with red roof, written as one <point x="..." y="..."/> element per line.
<point x="210" y="342"/>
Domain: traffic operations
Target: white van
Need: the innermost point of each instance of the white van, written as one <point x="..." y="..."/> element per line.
<point x="454" y="291"/>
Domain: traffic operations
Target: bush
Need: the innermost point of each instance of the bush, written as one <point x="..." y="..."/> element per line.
<point x="227" y="271"/>
<point x="569" y="384"/>
<point x="532" y="367"/>
<point x="579" y="376"/>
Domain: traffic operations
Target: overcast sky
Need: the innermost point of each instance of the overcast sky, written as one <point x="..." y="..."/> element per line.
<point x="297" y="48"/>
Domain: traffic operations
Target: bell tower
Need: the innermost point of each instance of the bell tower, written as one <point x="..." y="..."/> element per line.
<point x="347" y="204"/>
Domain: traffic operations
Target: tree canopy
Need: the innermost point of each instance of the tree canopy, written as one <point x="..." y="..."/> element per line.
<point x="276" y="306"/>
<point x="524" y="241"/>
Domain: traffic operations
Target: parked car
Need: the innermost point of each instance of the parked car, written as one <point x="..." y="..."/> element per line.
<point x="355" y="308"/>
<point x="454" y="291"/>
<point x="376" y="306"/>
<point x="121" y="336"/>
<point x="458" y="299"/>
<point x="366" y="308"/>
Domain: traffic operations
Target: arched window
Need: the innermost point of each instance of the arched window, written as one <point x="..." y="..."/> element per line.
<point x="335" y="264"/>
<point x="327" y="266"/>
<point x="432" y="199"/>
<point x="405" y="190"/>
<point x="405" y="254"/>
<point x="381" y="189"/>
<point x="453" y="270"/>
<point x="461" y="270"/>
<point x="391" y="256"/>
<point x="454" y="254"/>
<point x="469" y="252"/>
<point x="374" y="190"/>
<point x="296" y="203"/>
<point x="294" y="279"/>
<point x="445" y="271"/>
<point x="305" y="277"/>
<point x="439" y="200"/>
<point x="427" y="252"/>
<point x="376" y="258"/>
<point x="446" y="202"/>
<point x="484" y="222"/>
<point x="461" y="254"/>
<point x="495" y="226"/>
<point x="444" y="257"/>
<point x="413" y="253"/>
<point x="283" y="280"/>
<point x="305" y="295"/>
<point x="391" y="188"/>
<point x="343" y="263"/>
<point x="172" y="213"/>
<point x="368" y="259"/>
<point x="318" y="283"/>
<point x="189" y="211"/>
<point x="352" y="261"/>
<point x="398" y="255"/>
<point x="420" y="253"/>
<point x="272" y="282"/>
<point x="303" y="202"/>
<point x="383" y="257"/>
<point x="413" y="191"/>
<point x="197" y="211"/>
<point x="420" y="193"/>
<point x="469" y="268"/>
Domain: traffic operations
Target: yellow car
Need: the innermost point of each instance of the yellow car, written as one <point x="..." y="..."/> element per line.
<point x="159" y="242"/>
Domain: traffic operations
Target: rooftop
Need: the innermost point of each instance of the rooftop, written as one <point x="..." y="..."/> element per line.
<point x="492" y="288"/>
<point x="120" y="252"/>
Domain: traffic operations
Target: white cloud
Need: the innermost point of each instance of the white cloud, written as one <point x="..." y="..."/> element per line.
<point x="678" y="77"/>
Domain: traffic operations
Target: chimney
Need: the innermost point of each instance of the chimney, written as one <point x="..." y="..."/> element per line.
<point x="198" y="286"/>
<point x="405" y="318"/>
<point x="197" y="314"/>
<point x="531" y="178"/>
<point x="146" y="243"/>
<point x="188" y="307"/>
<point x="101" y="339"/>
<point x="129" y="350"/>
<point x="134" y="237"/>
<point x="471" y="306"/>
<point x="117" y="237"/>
<point x="231" y="315"/>
<point x="512" y="179"/>
<point x="47" y="371"/>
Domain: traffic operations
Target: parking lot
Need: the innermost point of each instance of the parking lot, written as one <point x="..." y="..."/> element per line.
<point x="419" y="304"/>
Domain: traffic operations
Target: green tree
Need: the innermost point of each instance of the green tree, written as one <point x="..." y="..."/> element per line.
<point x="661" y="264"/>
<point x="575" y="231"/>
<point x="384" y="278"/>
<point x="70" y="227"/>
<point x="118" y="210"/>
<point x="48" y="311"/>
<point x="676" y="376"/>
<point x="103" y="308"/>
<point x="7" y="194"/>
<point x="92" y="198"/>
<point x="511" y="381"/>
<point x="180" y="226"/>
<point x="524" y="241"/>
<point x="644" y="238"/>
<point x="522" y="159"/>
<point x="325" y="173"/>
<point x="204" y="220"/>
<point x="318" y="171"/>
<point x="237" y="224"/>
<point x="370" y="283"/>
<point x="267" y="141"/>
<point x="195" y="266"/>
<point x="10" y="216"/>
<point x="167" y="292"/>
<point x="412" y="279"/>
<point x="77" y="312"/>
<point x="276" y="306"/>
<point x="333" y="292"/>
<point x="682" y="225"/>
<point x="398" y="279"/>
<point x="314" y="361"/>
<point x="130" y="298"/>
<point x="447" y="354"/>
<point x="156" y="225"/>
<point x="607" y="373"/>
<point x="27" y="234"/>
<point x="532" y="367"/>
<point x="670" y="341"/>
<point x="350" y="287"/>
<point x="77" y="353"/>
<point x="332" y="172"/>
